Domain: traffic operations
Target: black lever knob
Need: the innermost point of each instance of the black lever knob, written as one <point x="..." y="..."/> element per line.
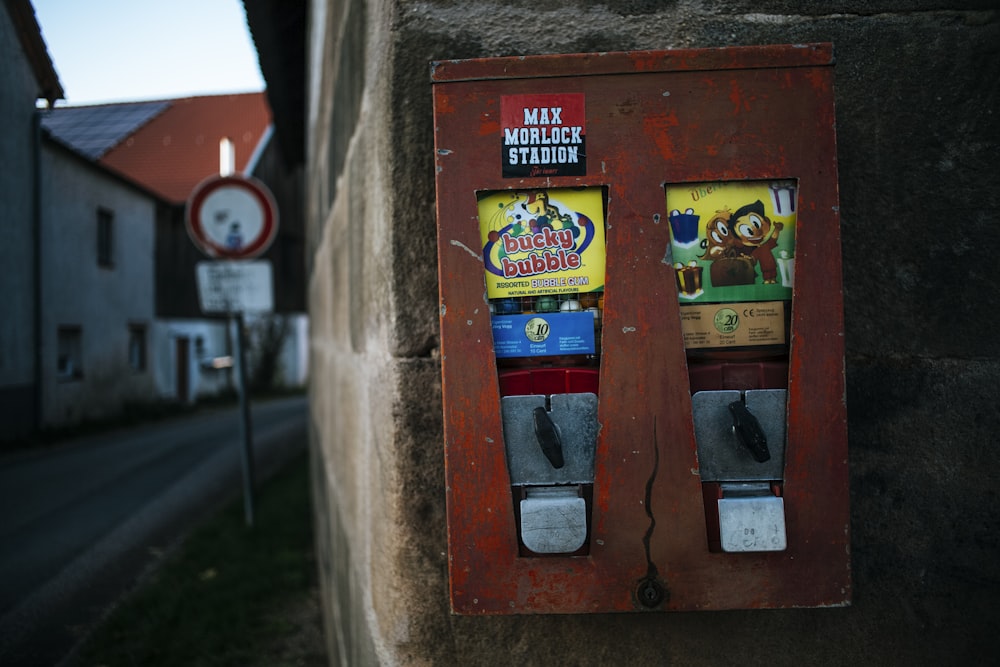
<point x="749" y="432"/>
<point x="548" y="438"/>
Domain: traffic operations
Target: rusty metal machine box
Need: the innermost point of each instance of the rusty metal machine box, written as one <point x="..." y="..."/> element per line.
<point x="641" y="331"/>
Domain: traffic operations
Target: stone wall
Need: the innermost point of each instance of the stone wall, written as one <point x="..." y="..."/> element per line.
<point x="916" y="94"/>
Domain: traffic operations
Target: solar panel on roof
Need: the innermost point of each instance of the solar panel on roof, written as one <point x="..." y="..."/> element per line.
<point x="94" y="130"/>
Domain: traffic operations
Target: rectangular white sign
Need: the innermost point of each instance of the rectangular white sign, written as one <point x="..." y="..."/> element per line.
<point x="233" y="287"/>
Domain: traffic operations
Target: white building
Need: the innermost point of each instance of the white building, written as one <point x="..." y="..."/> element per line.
<point x="100" y="305"/>
<point x="140" y="275"/>
<point x="97" y="287"/>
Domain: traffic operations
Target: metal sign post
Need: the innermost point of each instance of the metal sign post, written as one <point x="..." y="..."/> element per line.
<point x="231" y="217"/>
<point x="236" y="288"/>
<point x="246" y="427"/>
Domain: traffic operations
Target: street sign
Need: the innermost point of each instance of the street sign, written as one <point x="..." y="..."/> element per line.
<point x="235" y="287"/>
<point x="231" y="217"/>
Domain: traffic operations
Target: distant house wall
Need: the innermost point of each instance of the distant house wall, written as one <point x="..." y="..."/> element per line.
<point x="295" y="353"/>
<point x="98" y="301"/>
<point x="18" y="91"/>
<point x="184" y="350"/>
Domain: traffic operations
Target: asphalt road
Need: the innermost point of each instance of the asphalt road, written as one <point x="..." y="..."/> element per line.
<point x="81" y="522"/>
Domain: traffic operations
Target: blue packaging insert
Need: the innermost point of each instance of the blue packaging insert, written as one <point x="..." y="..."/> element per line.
<point x="543" y="334"/>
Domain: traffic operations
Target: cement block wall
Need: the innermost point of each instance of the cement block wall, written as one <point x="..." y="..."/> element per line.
<point x="917" y="97"/>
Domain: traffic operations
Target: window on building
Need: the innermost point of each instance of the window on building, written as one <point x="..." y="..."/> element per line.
<point x="69" y="360"/>
<point x="137" y="347"/>
<point x="105" y="238"/>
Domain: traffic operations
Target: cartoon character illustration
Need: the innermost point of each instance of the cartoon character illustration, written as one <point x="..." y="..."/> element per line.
<point x="505" y="215"/>
<point x="744" y="243"/>
<point x="729" y="266"/>
<point x="752" y="236"/>
<point x="529" y="225"/>
<point x="718" y="241"/>
<point x="547" y="214"/>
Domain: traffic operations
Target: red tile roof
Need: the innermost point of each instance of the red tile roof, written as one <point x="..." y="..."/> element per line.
<point x="179" y="148"/>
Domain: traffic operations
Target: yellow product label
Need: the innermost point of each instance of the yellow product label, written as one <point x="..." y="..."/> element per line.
<point x="733" y="324"/>
<point x="733" y="240"/>
<point x="542" y="241"/>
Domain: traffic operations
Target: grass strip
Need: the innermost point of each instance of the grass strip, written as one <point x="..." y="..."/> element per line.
<point x="216" y="600"/>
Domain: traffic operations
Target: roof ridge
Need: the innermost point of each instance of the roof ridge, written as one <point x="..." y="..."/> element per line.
<point x="91" y="105"/>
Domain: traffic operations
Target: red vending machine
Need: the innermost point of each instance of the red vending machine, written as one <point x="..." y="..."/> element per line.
<point x="642" y="331"/>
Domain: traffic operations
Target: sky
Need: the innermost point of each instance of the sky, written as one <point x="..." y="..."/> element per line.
<point x="131" y="50"/>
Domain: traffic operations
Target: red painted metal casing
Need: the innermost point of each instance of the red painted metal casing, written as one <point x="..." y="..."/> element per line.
<point x="652" y="118"/>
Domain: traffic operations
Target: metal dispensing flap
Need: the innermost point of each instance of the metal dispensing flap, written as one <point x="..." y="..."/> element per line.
<point x="553" y="519"/>
<point x="721" y="456"/>
<point x="574" y="417"/>
<point x="752" y="522"/>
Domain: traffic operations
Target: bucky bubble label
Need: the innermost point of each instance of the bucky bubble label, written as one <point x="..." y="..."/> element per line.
<point x="542" y="241"/>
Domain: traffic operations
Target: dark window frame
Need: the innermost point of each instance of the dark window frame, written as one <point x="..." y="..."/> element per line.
<point x="105" y="238"/>
<point x="138" y="347"/>
<point x="69" y="353"/>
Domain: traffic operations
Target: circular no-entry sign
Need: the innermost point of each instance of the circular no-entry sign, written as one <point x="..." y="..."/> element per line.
<point x="231" y="217"/>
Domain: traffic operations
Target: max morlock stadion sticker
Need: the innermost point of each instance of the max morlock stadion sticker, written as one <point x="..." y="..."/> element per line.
<point x="543" y="135"/>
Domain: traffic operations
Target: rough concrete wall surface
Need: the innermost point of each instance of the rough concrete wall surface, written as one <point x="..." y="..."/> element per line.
<point x="916" y="93"/>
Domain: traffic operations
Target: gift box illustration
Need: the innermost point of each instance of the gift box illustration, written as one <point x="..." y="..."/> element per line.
<point x="684" y="227"/>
